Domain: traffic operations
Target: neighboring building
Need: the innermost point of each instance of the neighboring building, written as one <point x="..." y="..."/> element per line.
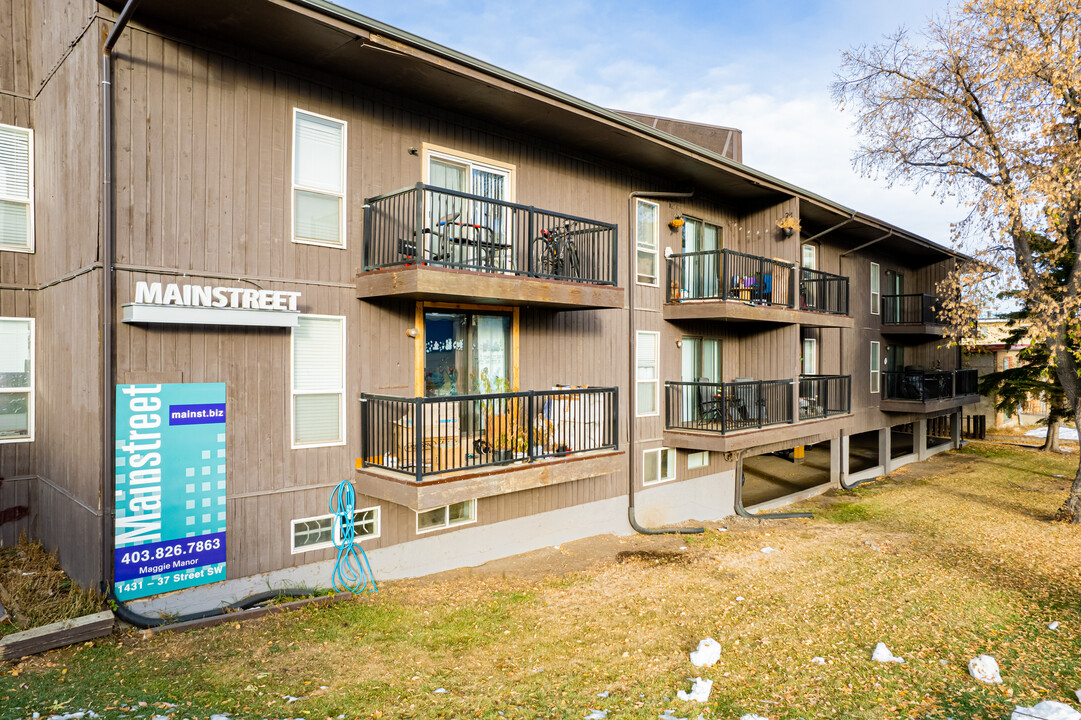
<point x="327" y="231"/>
<point x="988" y="353"/>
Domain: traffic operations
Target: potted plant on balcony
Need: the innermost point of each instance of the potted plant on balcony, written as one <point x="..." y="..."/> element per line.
<point x="788" y="225"/>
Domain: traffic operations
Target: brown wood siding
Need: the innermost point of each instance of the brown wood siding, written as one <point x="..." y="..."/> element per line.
<point x="15" y="33"/>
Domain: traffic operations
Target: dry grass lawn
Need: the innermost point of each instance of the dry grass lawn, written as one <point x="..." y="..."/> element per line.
<point x="942" y="561"/>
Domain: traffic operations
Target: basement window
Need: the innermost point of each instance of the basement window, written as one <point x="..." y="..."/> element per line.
<point x="317" y="533"/>
<point x="461" y="513"/>
<point x="658" y="466"/>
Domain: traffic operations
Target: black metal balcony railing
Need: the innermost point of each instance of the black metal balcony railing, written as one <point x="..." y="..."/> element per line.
<point x="822" y="396"/>
<point x="823" y="292"/>
<point x="432" y="226"/>
<point x="925" y="385"/>
<point x="730" y="275"/>
<point x="430" y="435"/>
<point x="910" y="310"/>
<point x="726" y="407"/>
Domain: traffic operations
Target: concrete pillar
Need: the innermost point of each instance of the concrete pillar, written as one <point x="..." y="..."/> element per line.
<point x="955" y="429"/>
<point x="919" y="438"/>
<point x="884" y="450"/>
<point x="837" y="448"/>
<point x="845" y="449"/>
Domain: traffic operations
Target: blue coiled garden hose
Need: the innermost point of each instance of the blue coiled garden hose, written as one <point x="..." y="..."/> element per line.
<point x="351" y="570"/>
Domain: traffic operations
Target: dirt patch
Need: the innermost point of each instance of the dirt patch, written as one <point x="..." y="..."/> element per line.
<point x="653" y="557"/>
<point x="36" y="591"/>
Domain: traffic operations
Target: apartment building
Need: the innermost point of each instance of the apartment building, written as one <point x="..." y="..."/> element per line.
<point x="270" y="245"/>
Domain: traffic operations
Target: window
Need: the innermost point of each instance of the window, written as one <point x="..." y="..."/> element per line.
<point x="318" y="381"/>
<point x="658" y="466"/>
<point x="701" y="273"/>
<point x="647" y="385"/>
<point x="16" y="379"/>
<point x="646" y="236"/>
<point x="875" y="288"/>
<point x="461" y="513"/>
<point x="810" y="356"/>
<point x="316" y="533"/>
<point x="16" y="189"/>
<point x="807" y="259"/>
<point x="876" y="363"/>
<point x="697" y="460"/>
<point x="318" y="179"/>
<point x="467" y="352"/>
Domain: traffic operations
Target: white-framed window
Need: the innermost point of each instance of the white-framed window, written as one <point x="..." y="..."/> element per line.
<point x="319" y="152"/>
<point x="647" y="237"/>
<point x="317" y="533"/>
<point x="16" y="380"/>
<point x="876" y="289"/>
<point x="459" y="513"/>
<point x="318" y="370"/>
<point x="658" y="465"/>
<point x="808" y="257"/>
<point x="648" y="377"/>
<point x="697" y="460"/>
<point x="16" y="188"/>
<point x="810" y="356"/>
<point x="876" y="366"/>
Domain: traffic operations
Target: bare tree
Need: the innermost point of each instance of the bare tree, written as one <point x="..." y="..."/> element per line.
<point x="984" y="105"/>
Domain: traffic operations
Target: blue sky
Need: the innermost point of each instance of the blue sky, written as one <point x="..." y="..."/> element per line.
<point x="764" y="68"/>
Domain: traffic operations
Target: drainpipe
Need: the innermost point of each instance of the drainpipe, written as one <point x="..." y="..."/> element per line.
<point x="742" y="511"/>
<point x="108" y="298"/>
<point x="632" y="453"/>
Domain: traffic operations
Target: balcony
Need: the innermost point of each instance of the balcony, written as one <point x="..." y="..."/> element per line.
<point x="925" y="391"/>
<point x="735" y="286"/>
<point x="431" y="451"/>
<point x="428" y="243"/>
<point x="911" y="315"/>
<point x="748" y="413"/>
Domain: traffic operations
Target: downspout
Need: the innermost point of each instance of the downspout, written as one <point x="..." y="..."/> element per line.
<point x="742" y="511"/>
<point x="108" y="298"/>
<point x="108" y="369"/>
<point x="632" y="343"/>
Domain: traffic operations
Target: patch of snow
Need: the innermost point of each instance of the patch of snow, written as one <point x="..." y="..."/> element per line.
<point x="1047" y="710"/>
<point x="985" y="669"/>
<point x="739" y="598"/>
<point x="597" y="715"/>
<point x="699" y="691"/>
<point x="818" y="660"/>
<point x="437" y="691"/>
<point x="291" y="698"/>
<point x="1053" y="626"/>
<point x="752" y="716"/>
<point x="1078" y="694"/>
<point x="602" y="694"/>
<point x="770" y="549"/>
<point x="219" y="717"/>
<point x="1064" y="433"/>
<point x="883" y="654"/>
<point x="669" y="716"/>
<point x="707" y="654"/>
<point x="159" y="717"/>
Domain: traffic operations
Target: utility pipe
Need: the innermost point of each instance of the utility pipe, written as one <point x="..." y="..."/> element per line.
<point x="742" y="511"/>
<point x="108" y="369"/>
<point x="829" y="230"/>
<point x="632" y="343"/>
<point x="108" y="297"/>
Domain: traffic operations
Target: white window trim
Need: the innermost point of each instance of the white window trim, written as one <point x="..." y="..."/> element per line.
<point x="656" y="244"/>
<point x="660" y="478"/>
<point x="32" y="401"/>
<point x="293" y="391"/>
<point x="876" y="294"/>
<point x="703" y="454"/>
<point x="814" y="355"/>
<point x="876" y="369"/>
<point x="814" y="255"/>
<point x="446" y="517"/>
<point x="293" y="180"/>
<point x="29" y="201"/>
<point x="377" y="522"/>
<point x="471" y="161"/>
<point x="656" y="381"/>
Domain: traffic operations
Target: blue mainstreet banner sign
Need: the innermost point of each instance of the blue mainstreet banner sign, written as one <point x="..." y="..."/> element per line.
<point x="170" y="487"/>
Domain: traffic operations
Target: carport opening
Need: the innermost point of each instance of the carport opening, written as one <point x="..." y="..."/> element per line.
<point x="902" y="440"/>
<point x="863" y="451"/>
<point x="777" y="474"/>
<point x="938" y="431"/>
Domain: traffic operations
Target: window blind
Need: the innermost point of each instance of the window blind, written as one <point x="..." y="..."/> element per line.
<point x="318" y="153"/>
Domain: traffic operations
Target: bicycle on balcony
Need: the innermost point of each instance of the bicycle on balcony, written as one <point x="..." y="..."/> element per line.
<point x="558" y="253"/>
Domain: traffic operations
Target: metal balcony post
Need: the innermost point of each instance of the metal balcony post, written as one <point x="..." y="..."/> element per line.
<point x="726" y="280"/>
<point x="365" y="425"/>
<point x="531" y="237"/>
<point x="615" y="256"/>
<point x="792" y="287"/>
<point x="529" y="421"/>
<point x="418" y="437"/>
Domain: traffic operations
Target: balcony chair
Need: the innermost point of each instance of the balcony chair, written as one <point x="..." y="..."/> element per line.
<point x="709" y="404"/>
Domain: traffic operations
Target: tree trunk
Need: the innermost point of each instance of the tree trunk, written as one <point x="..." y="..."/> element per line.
<point x="1050" y="443"/>
<point x="1072" y="506"/>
